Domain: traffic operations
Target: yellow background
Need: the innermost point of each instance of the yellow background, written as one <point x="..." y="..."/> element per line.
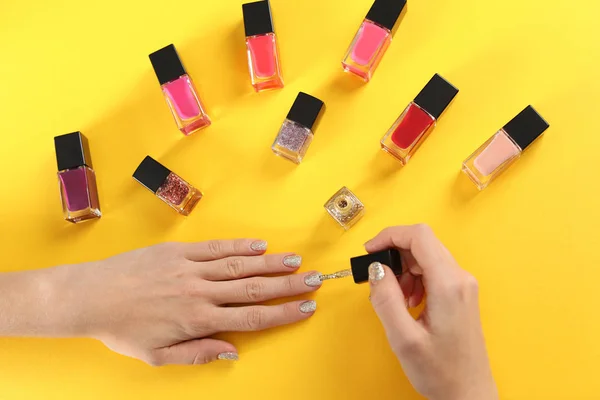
<point x="530" y="238"/>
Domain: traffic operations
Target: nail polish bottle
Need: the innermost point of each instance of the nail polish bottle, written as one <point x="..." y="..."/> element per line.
<point x="345" y="208"/>
<point x="261" y="42"/>
<point x="504" y="147"/>
<point x="167" y="186"/>
<point x="76" y="178"/>
<point x="296" y="133"/>
<point x="373" y="38"/>
<point x="418" y="119"/>
<point x="179" y="91"/>
<point x="359" y="266"/>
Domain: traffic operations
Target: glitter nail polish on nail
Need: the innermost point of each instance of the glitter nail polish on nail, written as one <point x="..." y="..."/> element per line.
<point x="229" y="356"/>
<point x="167" y="186"/>
<point x="296" y="133"/>
<point x="259" y="245"/>
<point x="292" y="261"/>
<point x="376" y="272"/>
<point x="308" y="306"/>
<point x="313" y="280"/>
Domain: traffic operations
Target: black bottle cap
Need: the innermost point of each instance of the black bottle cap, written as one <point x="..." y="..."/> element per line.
<point x="151" y="174"/>
<point x="306" y="110"/>
<point x="257" y="18"/>
<point x="386" y="12"/>
<point x="167" y="64"/>
<point x="360" y="265"/>
<point x="436" y="96"/>
<point x="526" y="127"/>
<point x="72" y="151"/>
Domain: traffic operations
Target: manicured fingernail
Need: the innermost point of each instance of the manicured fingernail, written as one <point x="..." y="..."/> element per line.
<point x="259" y="245"/>
<point x="229" y="356"/>
<point x="376" y="272"/>
<point x="292" y="261"/>
<point x="313" y="280"/>
<point x="308" y="306"/>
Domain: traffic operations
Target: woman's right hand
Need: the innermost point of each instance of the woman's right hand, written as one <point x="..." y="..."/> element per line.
<point x="443" y="352"/>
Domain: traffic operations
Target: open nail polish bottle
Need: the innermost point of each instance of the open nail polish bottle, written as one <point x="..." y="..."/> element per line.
<point x="504" y="147"/>
<point x="261" y="42"/>
<point x="167" y="186"/>
<point x="76" y="178"/>
<point x="345" y="208"/>
<point x="179" y="91"/>
<point x="359" y="266"/>
<point x="373" y="38"/>
<point x="418" y="119"/>
<point x="296" y="133"/>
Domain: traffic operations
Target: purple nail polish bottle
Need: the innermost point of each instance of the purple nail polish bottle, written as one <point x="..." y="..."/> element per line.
<point x="76" y="178"/>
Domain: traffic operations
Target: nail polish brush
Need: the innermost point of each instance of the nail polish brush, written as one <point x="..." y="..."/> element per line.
<point x="359" y="266"/>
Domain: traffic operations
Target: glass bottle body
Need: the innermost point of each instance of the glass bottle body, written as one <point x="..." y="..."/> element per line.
<point x="178" y="194"/>
<point x="345" y="208"/>
<point x="263" y="62"/>
<point x="367" y="49"/>
<point x="491" y="159"/>
<point x="79" y="194"/>
<point x="292" y="141"/>
<point x="408" y="132"/>
<point x="185" y="105"/>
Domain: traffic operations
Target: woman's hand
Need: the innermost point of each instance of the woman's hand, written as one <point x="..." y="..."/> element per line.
<point x="161" y="304"/>
<point x="443" y="352"/>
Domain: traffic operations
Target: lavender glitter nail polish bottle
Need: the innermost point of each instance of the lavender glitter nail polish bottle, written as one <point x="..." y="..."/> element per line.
<point x="167" y="186"/>
<point x="296" y="133"/>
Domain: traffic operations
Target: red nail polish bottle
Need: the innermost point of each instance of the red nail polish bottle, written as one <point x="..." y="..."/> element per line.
<point x="418" y="119"/>
<point x="167" y="186"/>
<point x="373" y="38"/>
<point x="179" y="91"/>
<point x="261" y="42"/>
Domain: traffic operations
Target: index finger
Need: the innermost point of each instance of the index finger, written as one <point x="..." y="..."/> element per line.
<point x="428" y="251"/>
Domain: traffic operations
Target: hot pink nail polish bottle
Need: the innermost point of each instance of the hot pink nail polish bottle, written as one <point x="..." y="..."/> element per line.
<point x="179" y="91"/>
<point x="261" y="42"/>
<point x="373" y="38"/>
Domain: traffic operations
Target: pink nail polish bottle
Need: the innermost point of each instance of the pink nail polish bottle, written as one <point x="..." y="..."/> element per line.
<point x="179" y="91"/>
<point x="76" y="178"/>
<point x="373" y="38"/>
<point x="504" y="148"/>
<point x="261" y="42"/>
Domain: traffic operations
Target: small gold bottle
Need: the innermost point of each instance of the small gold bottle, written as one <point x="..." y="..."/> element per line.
<point x="345" y="208"/>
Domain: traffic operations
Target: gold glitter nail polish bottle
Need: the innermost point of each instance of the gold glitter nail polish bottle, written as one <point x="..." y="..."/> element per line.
<point x="345" y="208"/>
<point x="167" y="186"/>
<point x="296" y="133"/>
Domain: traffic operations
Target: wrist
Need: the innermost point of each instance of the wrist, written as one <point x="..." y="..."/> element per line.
<point x="40" y="303"/>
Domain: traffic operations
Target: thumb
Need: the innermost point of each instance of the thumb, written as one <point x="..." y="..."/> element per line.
<point x="195" y="352"/>
<point x="390" y="304"/>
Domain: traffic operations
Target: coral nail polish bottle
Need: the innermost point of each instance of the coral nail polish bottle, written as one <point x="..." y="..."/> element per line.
<point x="179" y="91"/>
<point x="76" y="178"/>
<point x="296" y="133"/>
<point x="261" y="42"/>
<point x="418" y="119"/>
<point x="504" y="147"/>
<point x="167" y="186"/>
<point x="373" y="38"/>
